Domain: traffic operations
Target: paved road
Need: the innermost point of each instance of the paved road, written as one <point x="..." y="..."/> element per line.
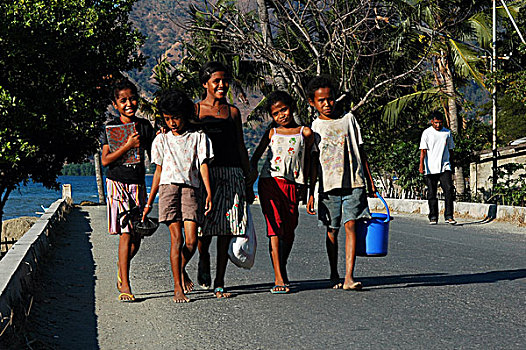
<point x="439" y="287"/>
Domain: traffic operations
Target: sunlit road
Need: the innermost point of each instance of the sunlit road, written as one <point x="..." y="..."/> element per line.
<point x="439" y="287"/>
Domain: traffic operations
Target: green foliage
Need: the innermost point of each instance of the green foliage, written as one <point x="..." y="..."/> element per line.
<point x="510" y="189"/>
<point x="84" y="169"/>
<point x="55" y="58"/>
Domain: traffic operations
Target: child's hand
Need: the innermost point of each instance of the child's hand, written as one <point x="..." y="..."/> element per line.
<point x="146" y="211"/>
<point x="133" y="141"/>
<point x="208" y="204"/>
<point x="310" y="206"/>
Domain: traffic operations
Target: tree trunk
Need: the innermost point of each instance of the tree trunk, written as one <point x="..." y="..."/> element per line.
<point x="98" y="175"/>
<point x="453" y="118"/>
<point x="277" y="75"/>
<point x="4" y="194"/>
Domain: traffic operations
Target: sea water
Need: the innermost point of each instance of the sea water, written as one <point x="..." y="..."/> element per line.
<point x="32" y="198"/>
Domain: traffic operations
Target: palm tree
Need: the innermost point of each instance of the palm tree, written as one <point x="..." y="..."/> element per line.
<point x="460" y="32"/>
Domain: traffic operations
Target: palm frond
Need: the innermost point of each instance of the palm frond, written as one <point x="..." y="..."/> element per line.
<point x="465" y="60"/>
<point x="393" y="109"/>
<point x="481" y="25"/>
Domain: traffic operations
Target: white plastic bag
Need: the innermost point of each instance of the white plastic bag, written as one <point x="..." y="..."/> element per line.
<point x="242" y="249"/>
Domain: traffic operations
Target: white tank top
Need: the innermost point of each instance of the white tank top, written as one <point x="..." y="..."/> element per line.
<point x="285" y="157"/>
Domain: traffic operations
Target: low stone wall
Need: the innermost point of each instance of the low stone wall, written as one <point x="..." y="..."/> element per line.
<point x="19" y="265"/>
<point x="480" y="211"/>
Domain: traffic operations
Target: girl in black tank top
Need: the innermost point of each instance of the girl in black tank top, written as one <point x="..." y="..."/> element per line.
<point x="228" y="217"/>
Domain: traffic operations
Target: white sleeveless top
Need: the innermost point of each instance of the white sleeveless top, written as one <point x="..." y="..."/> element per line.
<point x="285" y="157"/>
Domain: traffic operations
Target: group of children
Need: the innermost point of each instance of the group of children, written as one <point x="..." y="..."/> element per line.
<point x="329" y="153"/>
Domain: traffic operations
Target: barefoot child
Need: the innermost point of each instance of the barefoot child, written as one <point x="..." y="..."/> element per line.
<point x="342" y="194"/>
<point x="289" y="147"/>
<point x="125" y="182"/>
<point x="181" y="155"/>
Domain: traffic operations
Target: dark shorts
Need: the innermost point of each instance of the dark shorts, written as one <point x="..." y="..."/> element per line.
<point x="277" y="198"/>
<point x="177" y="203"/>
<point x="339" y="206"/>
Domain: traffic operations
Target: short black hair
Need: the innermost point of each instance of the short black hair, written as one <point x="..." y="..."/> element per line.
<point x="210" y="68"/>
<point x="319" y="82"/>
<point x="277" y="96"/>
<point x="436" y="115"/>
<point x="176" y="103"/>
<point x="119" y="85"/>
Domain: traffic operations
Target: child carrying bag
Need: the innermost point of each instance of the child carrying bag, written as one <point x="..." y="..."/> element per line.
<point x="242" y="249"/>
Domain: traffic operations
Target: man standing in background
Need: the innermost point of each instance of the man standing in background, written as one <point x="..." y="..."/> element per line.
<point x="436" y="147"/>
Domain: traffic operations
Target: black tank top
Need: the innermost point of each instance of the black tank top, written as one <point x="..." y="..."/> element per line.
<point x="222" y="133"/>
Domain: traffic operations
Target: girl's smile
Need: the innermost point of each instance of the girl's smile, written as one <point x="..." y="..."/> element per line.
<point x="218" y="85"/>
<point x="126" y="103"/>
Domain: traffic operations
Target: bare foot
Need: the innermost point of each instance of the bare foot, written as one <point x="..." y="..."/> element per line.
<point x="353" y="286"/>
<point x="220" y="293"/>
<point x="188" y="285"/>
<point x="179" y="297"/>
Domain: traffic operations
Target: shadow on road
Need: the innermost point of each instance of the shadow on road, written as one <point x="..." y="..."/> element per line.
<point x="442" y="279"/>
<point x="398" y="281"/>
<point x="63" y="312"/>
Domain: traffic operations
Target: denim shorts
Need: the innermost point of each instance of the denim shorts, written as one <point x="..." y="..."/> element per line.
<point x="339" y="206"/>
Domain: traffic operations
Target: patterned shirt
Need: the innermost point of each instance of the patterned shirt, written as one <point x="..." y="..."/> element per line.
<point x="285" y="157"/>
<point x="338" y="141"/>
<point x="181" y="156"/>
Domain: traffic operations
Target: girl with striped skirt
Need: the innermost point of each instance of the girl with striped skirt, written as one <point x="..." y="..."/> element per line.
<point x="222" y="124"/>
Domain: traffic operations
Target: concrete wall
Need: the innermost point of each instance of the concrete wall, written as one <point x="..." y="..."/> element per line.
<point x="481" y="171"/>
<point x="479" y="211"/>
<point x="19" y="266"/>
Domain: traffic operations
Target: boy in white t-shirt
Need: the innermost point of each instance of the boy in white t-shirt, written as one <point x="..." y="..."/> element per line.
<point x="436" y="147"/>
<point x="181" y="155"/>
<point x="340" y="161"/>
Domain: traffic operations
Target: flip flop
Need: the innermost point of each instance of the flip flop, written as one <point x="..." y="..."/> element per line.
<point x="222" y="293"/>
<point x="129" y="295"/>
<point x="275" y="289"/>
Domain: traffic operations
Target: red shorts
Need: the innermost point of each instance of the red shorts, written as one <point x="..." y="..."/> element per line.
<point x="277" y="197"/>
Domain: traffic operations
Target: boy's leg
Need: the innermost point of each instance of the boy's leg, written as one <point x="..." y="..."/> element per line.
<point x="331" y="243"/>
<point x="350" y="255"/>
<point x="203" y="267"/>
<point x="431" y="183"/>
<point x="330" y="214"/>
<point x="190" y="234"/>
<point x="222" y="261"/>
<point x="176" y="236"/>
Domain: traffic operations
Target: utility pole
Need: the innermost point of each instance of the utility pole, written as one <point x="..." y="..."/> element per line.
<point x="494" y="97"/>
<point x="98" y="176"/>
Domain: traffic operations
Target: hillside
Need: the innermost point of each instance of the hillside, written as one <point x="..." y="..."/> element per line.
<point x="162" y="21"/>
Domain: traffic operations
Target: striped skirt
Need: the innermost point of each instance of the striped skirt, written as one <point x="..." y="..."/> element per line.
<point x="121" y="197"/>
<point x="229" y="208"/>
